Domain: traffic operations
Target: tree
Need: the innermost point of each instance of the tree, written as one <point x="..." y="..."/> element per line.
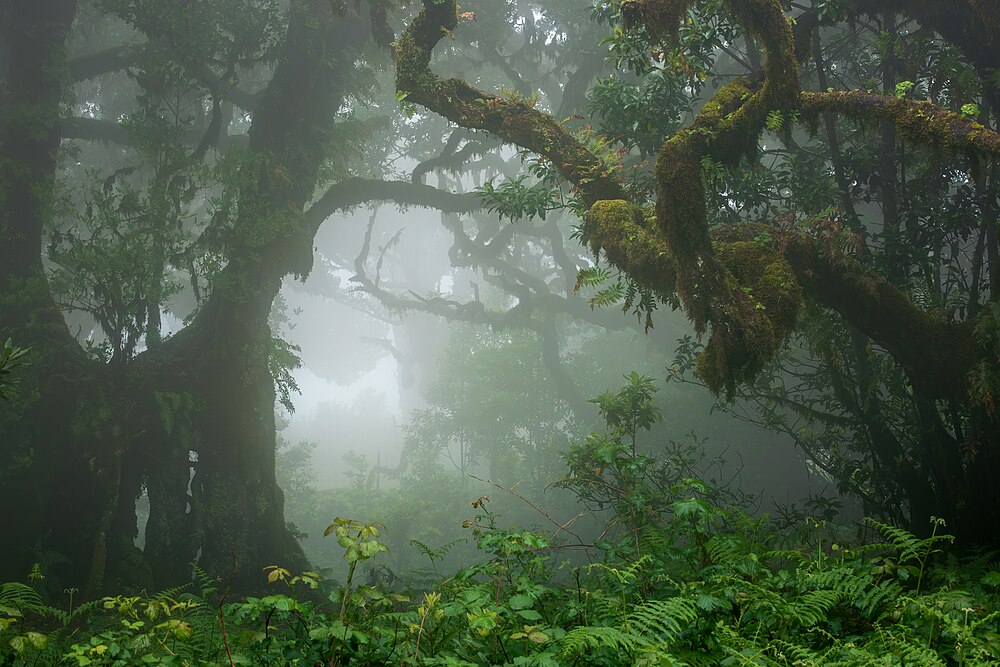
<point x="744" y="284"/>
<point x="194" y="410"/>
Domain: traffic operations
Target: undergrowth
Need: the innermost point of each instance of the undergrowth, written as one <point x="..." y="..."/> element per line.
<point x="682" y="576"/>
<point x="712" y="592"/>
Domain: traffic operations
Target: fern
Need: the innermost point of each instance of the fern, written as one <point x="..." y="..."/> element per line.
<point x="588" y="639"/>
<point x="591" y="276"/>
<point x="724" y="549"/>
<point x="813" y="607"/>
<point x="663" y="620"/>
<point x="861" y="590"/>
<point x="908" y="546"/>
<point x="608" y="296"/>
<point x="67" y="617"/>
<point x="171" y="594"/>
<point x="795" y="654"/>
<point x="655" y="541"/>
<point x="908" y="649"/>
<point x="20" y="597"/>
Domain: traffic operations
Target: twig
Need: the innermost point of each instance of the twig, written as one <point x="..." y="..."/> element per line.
<point x="560" y="526"/>
<point x="222" y="616"/>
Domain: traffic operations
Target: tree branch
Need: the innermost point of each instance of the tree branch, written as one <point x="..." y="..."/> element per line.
<point x="353" y="192"/>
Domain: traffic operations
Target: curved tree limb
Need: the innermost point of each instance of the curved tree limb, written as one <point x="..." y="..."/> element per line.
<point x="352" y="192"/>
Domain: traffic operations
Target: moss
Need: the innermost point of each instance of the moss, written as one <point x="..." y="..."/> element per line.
<point x="750" y="306"/>
<point x="659" y="17"/>
<point x="769" y="280"/>
<point x="623" y="232"/>
<point x="919" y="122"/>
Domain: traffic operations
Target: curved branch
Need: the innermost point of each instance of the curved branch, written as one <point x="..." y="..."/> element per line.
<point x="936" y="355"/>
<point x="111" y="132"/>
<point x="353" y="192"/>
<point x="95" y="64"/>
<point x="747" y="289"/>
<point x="451" y="158"/>
<point x="512" y="120"/>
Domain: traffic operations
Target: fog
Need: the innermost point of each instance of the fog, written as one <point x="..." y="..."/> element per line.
<point x="266" y="289"/>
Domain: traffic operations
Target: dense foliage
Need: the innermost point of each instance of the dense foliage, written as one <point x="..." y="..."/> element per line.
<point x="675" y="579"/>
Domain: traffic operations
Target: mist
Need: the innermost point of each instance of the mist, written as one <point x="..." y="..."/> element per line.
<point x="515" y="332"/>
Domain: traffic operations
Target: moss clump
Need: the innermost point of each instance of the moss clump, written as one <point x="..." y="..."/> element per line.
<point x="757" y="309"/>
<point x="920" y="122"/>
<point x="628" y="238"/>
<point x="768" y="278"/>
<point x="659" y="17"/>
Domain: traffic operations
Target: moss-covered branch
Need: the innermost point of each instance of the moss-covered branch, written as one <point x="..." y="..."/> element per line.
<point x="353" y="192"/>
<point x="513" y="120"/>
<point x="937" y="355"/>
<point x="727" y="128"/>
<point x="920" y="122"/>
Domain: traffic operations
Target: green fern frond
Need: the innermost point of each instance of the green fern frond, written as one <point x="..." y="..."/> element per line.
<point x="591" y="276"/>
<point x="663" y="619"/>
<point x="910" y="650"/>
<point x="878" y="597"/>
<point x="172" y="593"/>
<point x="862" y="590"/>
<point x="723" y="549"/>
<point x="206" y="582"/>
<point x="795" y="654"/>
<point x="908" y="546"/>
<point x="21" y="597"/>
<point x="585" y="640"/>
<point x="654" y="540"/>
<point x="813" y="607"/>
<point x="608" y="296"/>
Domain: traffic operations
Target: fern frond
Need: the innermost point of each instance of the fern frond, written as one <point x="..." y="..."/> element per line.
<point x="909" y="649"/>
<point x="608" y="296"/>
<point x="21" y="597"/>
<point x="663" y="619"/>
<point x="206" y="582"/>
<point x="172" y="593"/>
<point x="591" y="276"/>
<point x="723" y="549"/>
<point x="584" y="640"/>
<point x="795" y="654"/>
<point x="862" y="590"/>
<point x="812" y="607"/>
<point x="907" y="545"/>
<point x="654" y="540"/>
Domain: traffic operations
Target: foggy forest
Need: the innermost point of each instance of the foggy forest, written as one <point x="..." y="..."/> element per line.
<point x="527" y="333"/>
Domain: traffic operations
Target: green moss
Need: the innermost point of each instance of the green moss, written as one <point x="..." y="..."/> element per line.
<point x="769" y="280"/>
<point x="660" y="17"/>
<point x="623" y="232"/>
<point x="919" y="122"/>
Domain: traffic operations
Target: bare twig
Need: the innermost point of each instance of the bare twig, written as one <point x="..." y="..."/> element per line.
<point x="222" y="601"/>
<point x="559" y="526"/>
